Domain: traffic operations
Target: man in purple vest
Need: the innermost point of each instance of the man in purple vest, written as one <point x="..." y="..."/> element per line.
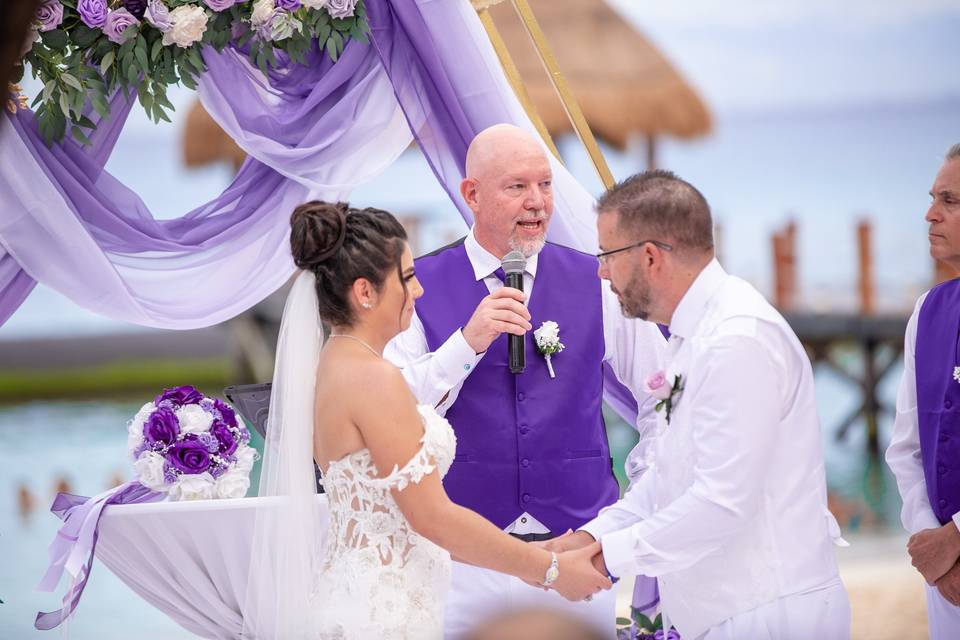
<point x="924" y="451"/>
<point x="532" y="454"/>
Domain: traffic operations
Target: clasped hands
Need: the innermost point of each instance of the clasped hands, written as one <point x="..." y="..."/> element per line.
<point x="580" y="560"/>
<point x="935" y="554"/>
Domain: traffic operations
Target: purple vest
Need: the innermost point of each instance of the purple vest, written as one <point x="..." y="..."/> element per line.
<point x="938" y="397"/>
<point x="527" y="442"/>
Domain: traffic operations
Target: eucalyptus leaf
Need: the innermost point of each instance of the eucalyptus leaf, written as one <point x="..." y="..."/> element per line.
<point x="80" y="136"/>
<point x="72" y="81"/>
<point x="107" y="61"/>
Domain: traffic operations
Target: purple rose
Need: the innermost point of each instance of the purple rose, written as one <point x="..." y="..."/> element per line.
<point x="180" y="395"/>
<point x="189" y="455"/>
<point x="341" y="8"/>
<point x="228" y="442"/>
<point x="49" y="15"/>
<point x="288" y="5"/>
<point x="93" y="12"/>
<point x="219" y="5"/>
<point x="136" y="7"/>
<point x="161" y="427"/>
<point x="117" y="22"/>
<point x="226" y="413"/>
<point x="672" y="634"/>
<point x="158" y="15"/>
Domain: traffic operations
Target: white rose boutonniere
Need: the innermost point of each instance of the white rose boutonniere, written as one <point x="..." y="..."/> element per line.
<point x="548" y="342"/>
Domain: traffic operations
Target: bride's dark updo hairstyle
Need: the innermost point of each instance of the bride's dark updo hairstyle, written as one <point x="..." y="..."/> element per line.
<point x="340" y="244"/>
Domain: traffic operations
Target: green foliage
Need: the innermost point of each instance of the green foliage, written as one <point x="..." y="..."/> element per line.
<point x="81" y="69"/>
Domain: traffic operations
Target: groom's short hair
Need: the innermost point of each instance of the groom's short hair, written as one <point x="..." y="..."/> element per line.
<point x="662" y="206"/>
<point x="953" y="153"/>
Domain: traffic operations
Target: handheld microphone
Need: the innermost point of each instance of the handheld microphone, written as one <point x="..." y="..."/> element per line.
<point x="514" y="264"/>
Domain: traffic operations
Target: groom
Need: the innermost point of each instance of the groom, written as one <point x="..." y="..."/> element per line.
<point x="923" y="453"/>
<point x="532" y="454"/>
<point x="731" y="517"/>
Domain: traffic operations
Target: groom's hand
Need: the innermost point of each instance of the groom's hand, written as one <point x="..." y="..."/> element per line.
<point x="579" y="577"/>
<point x="502" y="311"/>
<point x="569" y="541"/>
<point x="949" y="585"/>
<point x="934" y="551"/>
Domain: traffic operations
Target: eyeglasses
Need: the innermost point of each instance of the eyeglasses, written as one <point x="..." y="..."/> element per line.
<point x="604" y="256"/>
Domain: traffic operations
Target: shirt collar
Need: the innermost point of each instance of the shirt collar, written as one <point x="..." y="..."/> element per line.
<point x="484" y="263"/>
<point x="692" y="304"/>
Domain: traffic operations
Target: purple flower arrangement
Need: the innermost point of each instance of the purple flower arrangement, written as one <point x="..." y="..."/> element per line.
<point x="190" y="447"/>
<point x="84" y="51"/>
<point x="640" y="627"/>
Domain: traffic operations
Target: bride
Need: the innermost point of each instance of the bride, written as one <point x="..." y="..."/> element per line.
<point x="392" y="529"/>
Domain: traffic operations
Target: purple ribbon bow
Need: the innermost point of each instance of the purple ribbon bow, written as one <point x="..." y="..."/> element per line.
<point x="73" y="547"/>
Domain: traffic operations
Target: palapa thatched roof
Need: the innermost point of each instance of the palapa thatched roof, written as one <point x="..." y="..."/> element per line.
<point x="623" y="83"/>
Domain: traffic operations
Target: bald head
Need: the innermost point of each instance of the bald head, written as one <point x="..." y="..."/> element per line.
<point x="496" y="147"/>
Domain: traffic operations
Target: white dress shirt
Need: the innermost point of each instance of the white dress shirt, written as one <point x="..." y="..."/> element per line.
<point x="903" y="454"/>
<point x="732" y="512"/>
<point x="633" y="348"/>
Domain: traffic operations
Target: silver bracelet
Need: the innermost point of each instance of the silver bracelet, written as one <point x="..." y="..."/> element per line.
<point x="553" y="571"/>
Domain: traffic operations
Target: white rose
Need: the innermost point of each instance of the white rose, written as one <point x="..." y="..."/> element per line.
<point x="246" y="456"/>
<point x="315" y="4"/>
<point x="188" y="23"/>
<point x="149" y="471"/>
<point x="233" y="484"/>
<point x="193" y="419"/>
<point x="262" y="14"/>
<point x="548" y="332"/>
<point x="193" y="487"/>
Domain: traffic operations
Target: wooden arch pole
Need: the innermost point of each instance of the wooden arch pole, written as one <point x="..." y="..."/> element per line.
<point x="567" y="99"/>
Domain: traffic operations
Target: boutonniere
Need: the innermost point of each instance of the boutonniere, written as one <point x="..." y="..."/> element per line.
<point x="956" y="374"/>
<point x="548" y="342"/>
<point x="656" y="385"/>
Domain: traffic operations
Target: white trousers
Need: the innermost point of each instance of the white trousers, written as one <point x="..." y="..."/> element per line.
<point x="477" y="595"/>
<point x="823" y="612"/>
<point x="942" y="617"/>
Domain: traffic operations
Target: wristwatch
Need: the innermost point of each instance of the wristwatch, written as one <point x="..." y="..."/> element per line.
<point x="553" y="571"/>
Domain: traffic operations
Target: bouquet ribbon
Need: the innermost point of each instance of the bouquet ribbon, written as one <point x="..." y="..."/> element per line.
<point x="73" y="547"/>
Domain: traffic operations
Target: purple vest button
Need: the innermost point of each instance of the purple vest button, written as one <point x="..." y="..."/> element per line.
<point x="526" y="497"/>
<point x="947" y="404"/>
<point x="941" y="469"/>
<point x="944" y="437"/>
<point x="520" y="397"/>
<point x="524" y="463"/>
<point x="524" y="429"/>
<point x="942" y="502"/>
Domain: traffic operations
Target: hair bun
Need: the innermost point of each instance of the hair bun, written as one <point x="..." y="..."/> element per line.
<point x="317" y="232"/>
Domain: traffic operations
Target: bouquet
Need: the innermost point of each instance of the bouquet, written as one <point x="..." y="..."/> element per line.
<point x="190" y="447"/>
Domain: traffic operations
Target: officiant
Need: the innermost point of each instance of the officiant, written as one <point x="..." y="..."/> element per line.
<point x="532" y="453"/>
<point x="923" y="453"/>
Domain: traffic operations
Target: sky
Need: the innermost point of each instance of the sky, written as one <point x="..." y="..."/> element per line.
<point x="811" y="55"/>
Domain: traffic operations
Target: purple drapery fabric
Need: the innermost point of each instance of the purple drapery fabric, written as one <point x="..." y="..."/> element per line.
<point x="76" y="542"/>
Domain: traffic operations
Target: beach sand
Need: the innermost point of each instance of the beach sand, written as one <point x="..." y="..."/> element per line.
<point x="886" y="593"/>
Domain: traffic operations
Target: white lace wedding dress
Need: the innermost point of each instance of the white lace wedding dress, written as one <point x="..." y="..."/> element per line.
<point x="380" y="579"/>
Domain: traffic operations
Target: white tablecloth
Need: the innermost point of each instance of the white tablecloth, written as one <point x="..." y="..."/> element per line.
<point x="188" y="559"/>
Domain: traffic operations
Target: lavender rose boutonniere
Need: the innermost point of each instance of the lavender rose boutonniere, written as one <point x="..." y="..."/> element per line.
<point x="666" y="395"/>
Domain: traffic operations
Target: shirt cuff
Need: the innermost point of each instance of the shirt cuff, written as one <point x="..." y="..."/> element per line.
<point x="956" y="520"/>
<point x="618" y="553"/>
<point x="455" y="359"/>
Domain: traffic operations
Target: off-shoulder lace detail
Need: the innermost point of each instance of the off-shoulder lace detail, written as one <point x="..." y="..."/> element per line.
<point x="380" y="578"/>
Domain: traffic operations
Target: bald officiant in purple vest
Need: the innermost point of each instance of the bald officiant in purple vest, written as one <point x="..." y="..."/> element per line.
<point x="532" y="452"/>
<point x="924" y="451"/>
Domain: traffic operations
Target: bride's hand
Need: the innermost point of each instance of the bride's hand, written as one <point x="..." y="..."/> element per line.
<point x="579" y="577"/>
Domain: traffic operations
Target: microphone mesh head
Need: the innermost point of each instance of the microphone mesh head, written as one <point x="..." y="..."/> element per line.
<point x="514" y="262"/>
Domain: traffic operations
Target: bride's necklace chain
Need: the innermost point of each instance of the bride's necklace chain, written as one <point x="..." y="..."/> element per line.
<point x="344" y="335"/>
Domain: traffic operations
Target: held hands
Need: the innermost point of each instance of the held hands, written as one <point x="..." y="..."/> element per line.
<point x="502" y="311"/>
<point x="934" y="552"/>
<point x="582" y="573"/>
<point x="568" y="541"/>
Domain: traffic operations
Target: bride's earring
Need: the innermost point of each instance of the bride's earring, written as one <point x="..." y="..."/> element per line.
<point x="367" y="305"/>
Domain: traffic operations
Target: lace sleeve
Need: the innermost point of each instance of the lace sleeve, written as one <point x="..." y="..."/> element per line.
<point x="437" y="446"/>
